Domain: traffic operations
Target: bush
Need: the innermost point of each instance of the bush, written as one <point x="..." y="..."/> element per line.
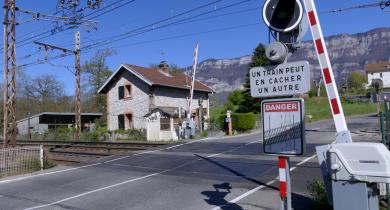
<point x="205" y="134"/>
<point x="241" y="121"/>
<point x="136" y="134"/>
<point x="62" y="134"/>
<point x="91" y="136"/>
<point x="318" y="191"/>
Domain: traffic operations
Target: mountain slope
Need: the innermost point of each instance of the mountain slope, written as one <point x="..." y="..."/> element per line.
<point x="347" y="52"/>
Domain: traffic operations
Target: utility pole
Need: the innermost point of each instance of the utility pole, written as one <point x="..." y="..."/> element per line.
<point x="9" y="106"/>
<point x="78" y="102"/>
<point x="28" y="125"/>
<point x="192" y="82"/>
<point x="77" y="74"/>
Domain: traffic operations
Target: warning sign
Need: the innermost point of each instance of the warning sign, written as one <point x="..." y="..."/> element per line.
<point x="283" y="126"/>
<point x="281" y="80"/>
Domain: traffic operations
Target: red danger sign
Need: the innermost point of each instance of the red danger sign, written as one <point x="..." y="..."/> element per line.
<point x="291" y="106"/>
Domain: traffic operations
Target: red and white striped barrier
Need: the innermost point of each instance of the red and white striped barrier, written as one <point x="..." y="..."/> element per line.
<point x="326" y="68"/>
<point x="282" y="177"/>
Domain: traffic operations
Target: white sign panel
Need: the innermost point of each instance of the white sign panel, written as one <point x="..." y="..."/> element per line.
<point x="282" y="80"/>
<point x="283" y="126"/>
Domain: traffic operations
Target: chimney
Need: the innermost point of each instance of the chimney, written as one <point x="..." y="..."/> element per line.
<point x="164" y="67"/>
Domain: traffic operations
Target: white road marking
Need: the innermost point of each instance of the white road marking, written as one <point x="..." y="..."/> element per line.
<point x="235" y="200"/>
<point x="93" y="191"/>
<point x="90" y="165"/>
<point x="213" y="155"/>
<point x="247" y="193"/>
<point x="108" y="161"/>
<point x="131" y="180"/>
<point x="120" y="158"/>
<point x="47" y="173"/>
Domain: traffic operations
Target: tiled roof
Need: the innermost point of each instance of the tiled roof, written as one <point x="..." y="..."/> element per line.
<point x="377" y="67"/>
<point x="173" y="79"/>
<point x="154" y="76"/>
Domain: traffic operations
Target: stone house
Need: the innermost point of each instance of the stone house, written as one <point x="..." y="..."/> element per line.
<point x="133" y="92"/>
<point x="379" y="72"/>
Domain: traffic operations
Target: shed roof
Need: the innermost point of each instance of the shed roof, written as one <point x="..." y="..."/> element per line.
<point x="60" y="114"/>
<point x="154" y="76"/>
<point x="168" y="111"/>
<point x="377" y="67"/>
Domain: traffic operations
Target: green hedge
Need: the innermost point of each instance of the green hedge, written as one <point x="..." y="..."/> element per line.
<point x="241" y="121"/>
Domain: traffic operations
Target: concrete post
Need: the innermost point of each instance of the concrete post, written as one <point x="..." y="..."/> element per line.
<point x="229" y="121"/>
<point x="41" y="156"/>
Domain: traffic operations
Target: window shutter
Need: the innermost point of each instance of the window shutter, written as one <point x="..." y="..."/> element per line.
<point x="121" y="121"/>
<point x="121" y="92"/>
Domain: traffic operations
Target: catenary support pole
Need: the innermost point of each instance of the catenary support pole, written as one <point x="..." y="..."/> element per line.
<point x="9" y="106"/>
<point x="78" y="97"/>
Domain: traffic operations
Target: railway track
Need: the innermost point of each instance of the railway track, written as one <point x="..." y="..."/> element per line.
<point x="66" y="152"/>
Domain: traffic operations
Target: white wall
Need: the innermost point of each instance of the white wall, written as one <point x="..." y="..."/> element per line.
<point x="138" y="105"/>
<point x="385" y="78"/>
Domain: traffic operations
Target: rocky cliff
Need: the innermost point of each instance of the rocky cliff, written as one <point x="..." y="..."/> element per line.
<point x="347" y="52"/>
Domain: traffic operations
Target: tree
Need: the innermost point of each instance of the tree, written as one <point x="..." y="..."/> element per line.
<point x="43" y="93"/>
<point x="44" y="88"/>
<point x="356" y="80"/>
<point x="249" y="104"/>
<point x="97" y="72"/>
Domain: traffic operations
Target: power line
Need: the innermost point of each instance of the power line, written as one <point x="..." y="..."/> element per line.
<point x="146" y="42"/>
<point x="198" y="19"/>
<point x="181" y="21"/>
<point x="163" y="20"/>
<point x="185" y="35"/>
<point x="129" y="34"/>
<point x="382" y="5"/>
<point x="56" y="30"/>
<point x="158" y="22"/>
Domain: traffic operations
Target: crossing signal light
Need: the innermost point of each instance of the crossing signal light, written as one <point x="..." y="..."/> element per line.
<point x="282" y="15"/>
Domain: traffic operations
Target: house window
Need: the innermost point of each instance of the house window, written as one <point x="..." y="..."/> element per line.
<point x="121" y="92"/>
<point x="127" y="91"/>
<point x="121" y="121"/>
<point x="380" y="74"/>
<point x="165" y="124"/>
<point x="129" y="121"/>
<point x="124" y="91"/>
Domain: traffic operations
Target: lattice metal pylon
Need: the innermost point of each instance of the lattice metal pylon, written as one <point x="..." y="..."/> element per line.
<point x="9" y="129"/>
<point x="78" y="103"/>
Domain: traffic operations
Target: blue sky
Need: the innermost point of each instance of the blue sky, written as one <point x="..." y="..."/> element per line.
<point x="228" y="32"/>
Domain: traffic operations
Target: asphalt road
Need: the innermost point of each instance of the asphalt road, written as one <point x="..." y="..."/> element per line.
<point x="215" y="173"/>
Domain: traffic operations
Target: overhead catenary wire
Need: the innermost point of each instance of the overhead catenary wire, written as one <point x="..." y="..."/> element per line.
<point x="135" y="32"/>
<point x="148" y="41"/>
<point x="157" y="22"/>
<point x="177" y="15"/>
<point x="89" y="47"/>
<point x="50" y="32"/>
<point x="381" y="4"/>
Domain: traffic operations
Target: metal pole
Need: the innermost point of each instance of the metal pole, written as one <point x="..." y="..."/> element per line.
<point x="9" y="129"/>
<point x="28" y="126"/>
<point x="284" y="183"/>
<point x="192" y="81"/>
<point x="5" y="99"/>
<point x="78" y="103"/>
<point x="382" y="126"/>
